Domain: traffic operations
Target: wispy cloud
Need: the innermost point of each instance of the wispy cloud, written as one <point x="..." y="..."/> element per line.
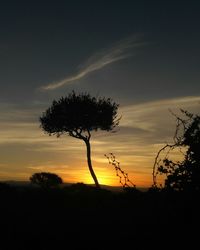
<point x="99" y="60"/>
<point x="146" y="115"/>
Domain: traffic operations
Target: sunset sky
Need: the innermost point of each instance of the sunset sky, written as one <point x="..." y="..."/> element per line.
<point x="145" y="55"/>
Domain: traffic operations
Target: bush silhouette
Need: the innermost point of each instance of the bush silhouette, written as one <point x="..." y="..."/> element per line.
<point x="77" y="115"/>
<point x="46" y="180"/>
<point x="183" y="175"/>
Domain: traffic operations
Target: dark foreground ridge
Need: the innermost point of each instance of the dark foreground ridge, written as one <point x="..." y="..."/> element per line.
<point x="82" y="217"/>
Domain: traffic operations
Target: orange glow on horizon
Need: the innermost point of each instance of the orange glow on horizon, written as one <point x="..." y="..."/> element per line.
<point x="107" y="176"/>
<point x="76" y="172"/>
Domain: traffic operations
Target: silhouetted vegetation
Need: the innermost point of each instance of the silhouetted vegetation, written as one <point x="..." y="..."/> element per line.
<point x="124" y="180"/>
<point x="182" y="175"/>
<point x="79" y="114"/>
<point x="46" y="180"/>
<point x="81" y="216"/>
<point x="4" y="187"/>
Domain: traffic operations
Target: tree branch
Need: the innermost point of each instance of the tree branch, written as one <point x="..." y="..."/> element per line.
<point x="89" y="134"/>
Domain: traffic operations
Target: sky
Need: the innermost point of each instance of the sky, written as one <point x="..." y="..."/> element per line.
<point x="145" y="55"/>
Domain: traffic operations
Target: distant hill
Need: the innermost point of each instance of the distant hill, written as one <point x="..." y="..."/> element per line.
<point x="17" y="183"/>
<point x="111" y="188"/>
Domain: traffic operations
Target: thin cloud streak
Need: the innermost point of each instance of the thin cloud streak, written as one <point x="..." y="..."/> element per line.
<point x="119" y="51"/>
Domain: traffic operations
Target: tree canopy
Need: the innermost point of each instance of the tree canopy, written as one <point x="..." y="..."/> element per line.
<point x="77" y="113"/>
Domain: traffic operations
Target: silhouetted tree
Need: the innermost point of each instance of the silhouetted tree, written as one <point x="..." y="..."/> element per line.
<point x="46" y="180"/>
<point x="79" y="114"/>
<point x="182" y="175"/>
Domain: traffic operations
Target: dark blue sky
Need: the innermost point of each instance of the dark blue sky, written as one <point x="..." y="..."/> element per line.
<point x="43" y="42"/>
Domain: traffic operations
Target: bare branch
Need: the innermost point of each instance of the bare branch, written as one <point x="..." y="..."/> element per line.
<point x="123" y="177"/>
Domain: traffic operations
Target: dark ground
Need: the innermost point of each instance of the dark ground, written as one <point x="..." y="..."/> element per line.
<point x="82" y="217"/>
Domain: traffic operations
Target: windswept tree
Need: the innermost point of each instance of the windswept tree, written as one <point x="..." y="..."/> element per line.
<point x="77" y="115"/>
<point x="46" y="180"/>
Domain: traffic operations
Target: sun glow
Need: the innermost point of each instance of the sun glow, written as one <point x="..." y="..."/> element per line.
<point x="103" y="179"/>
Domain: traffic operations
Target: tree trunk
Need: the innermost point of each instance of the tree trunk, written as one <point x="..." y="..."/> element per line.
<point x="87" y="142"/>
